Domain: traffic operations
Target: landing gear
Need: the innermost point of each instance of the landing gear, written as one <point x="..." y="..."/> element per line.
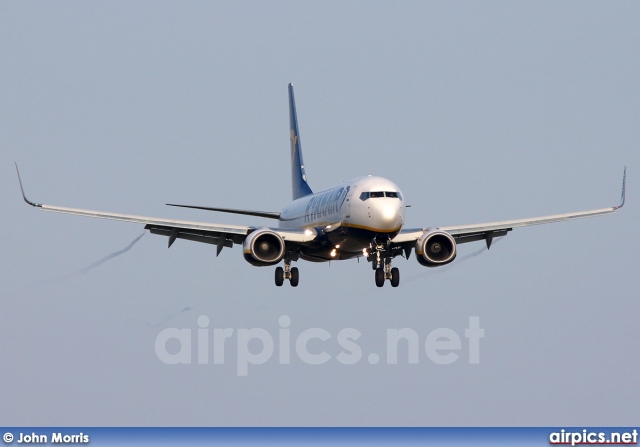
<point x="381" y="263"/>
<point x="292" y="274"/>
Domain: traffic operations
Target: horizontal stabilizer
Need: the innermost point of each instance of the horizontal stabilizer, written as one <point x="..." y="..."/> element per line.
<point x="267" y="214"/>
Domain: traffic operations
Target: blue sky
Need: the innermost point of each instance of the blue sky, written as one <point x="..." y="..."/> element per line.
<point x="479" y="111"/>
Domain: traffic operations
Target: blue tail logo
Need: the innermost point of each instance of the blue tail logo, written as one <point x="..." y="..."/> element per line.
<point x="299" y="184"/>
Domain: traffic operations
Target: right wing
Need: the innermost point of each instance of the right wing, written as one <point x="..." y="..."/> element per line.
<point x="219" y="235"/>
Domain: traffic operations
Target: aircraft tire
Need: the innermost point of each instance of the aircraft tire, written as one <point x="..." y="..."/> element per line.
<point x="379" y="277"/>
<point x="279" y="276"/>
<point x="295" y="277"/>
<point x="395" y="277"/>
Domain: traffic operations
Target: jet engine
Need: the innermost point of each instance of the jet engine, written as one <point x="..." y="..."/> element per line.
<point x="435" y="248"/>
<point x="263" y="247"/>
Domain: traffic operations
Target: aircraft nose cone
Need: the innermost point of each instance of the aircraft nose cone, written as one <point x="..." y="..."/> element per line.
<point x="389" y="213"/>
<point x="391" y="216"/>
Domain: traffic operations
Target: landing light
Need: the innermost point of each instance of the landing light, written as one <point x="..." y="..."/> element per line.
<point x="365" y="252"/>
<point x="337" y="246"/>
<point x="308" y="232"/>
<point x="333" y="253"/>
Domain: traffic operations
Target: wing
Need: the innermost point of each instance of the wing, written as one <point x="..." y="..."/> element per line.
<point x="210" y="233"/>
<point x="487" y="231"/>
<point x="219" y="235"/>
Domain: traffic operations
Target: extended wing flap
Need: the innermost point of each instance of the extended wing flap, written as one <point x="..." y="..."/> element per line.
<point x="217" y="238"/>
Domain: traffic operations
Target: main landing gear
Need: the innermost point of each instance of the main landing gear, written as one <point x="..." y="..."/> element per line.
<point x="381" y="263"/>
<point x="290" y="273"/>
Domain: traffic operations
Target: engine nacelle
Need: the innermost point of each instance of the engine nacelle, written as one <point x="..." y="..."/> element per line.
<point x="263" y="247"/>
<point x="435" y="248"/>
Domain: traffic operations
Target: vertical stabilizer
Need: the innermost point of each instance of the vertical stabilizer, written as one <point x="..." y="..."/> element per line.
<point x="299" y="184"/>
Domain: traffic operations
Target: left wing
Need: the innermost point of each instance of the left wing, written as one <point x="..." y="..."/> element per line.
<point x="487" y="231"/>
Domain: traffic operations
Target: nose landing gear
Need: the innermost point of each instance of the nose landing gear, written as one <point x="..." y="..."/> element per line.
<point x="381" y="263"/>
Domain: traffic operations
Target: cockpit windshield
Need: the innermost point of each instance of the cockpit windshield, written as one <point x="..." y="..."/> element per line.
<point x="377" y="194"/>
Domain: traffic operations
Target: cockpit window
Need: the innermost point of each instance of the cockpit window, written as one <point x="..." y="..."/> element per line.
<point x="377" y="194"/>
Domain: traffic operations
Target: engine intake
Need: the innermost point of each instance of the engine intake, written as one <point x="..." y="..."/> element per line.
<point x="263" y="247"/>
<point x="435" y="248"/>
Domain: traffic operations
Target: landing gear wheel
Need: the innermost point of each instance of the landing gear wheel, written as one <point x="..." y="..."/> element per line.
<point x="395" y="277"/>
<point x="379" y="277"/>
<point x="279" y="276"/>
<point x="295" y="277"/>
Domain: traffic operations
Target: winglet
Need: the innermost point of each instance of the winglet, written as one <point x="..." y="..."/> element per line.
<point x="624" y="184"/>
<point x="22" y="190"/>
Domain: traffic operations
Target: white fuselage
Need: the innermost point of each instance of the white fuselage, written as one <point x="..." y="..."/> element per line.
<point x="348" y="216"/>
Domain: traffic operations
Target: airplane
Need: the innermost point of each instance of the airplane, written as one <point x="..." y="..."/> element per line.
<point x="363" y="217"/>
